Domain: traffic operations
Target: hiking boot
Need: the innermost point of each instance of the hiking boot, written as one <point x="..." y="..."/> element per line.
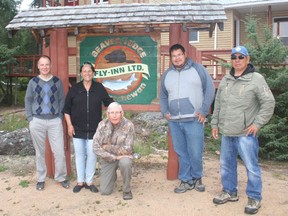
<point x="183" y="187"/>
<point x="127" y="195"/>
<point x="225" y="197"/>
<point x="40" y="186"/>
<point x="91" y="187"/>
<point x="198" y="185"/>
<point x="65" y="184"/>
<point x="77" y="188"/>
<point x="252" y="206"/>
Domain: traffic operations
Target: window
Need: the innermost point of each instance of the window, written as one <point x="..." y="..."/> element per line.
<point x="99" y="1"/>
<point x="71" y="2"/>
<point x="280" y="29"/>
<point x="193" y="36"/>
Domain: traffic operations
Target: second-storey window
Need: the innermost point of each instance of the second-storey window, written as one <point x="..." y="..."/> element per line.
<point x="280" y="29"/>
<point x="99" y="1"/>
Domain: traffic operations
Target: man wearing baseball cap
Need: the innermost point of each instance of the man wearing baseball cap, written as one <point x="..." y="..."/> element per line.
<point x="243" y="104"/>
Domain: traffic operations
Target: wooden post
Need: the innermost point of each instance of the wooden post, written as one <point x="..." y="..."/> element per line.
<point x="59" y="56"/>
<point x="63" y="74"/>
<point x="172" y="165"/>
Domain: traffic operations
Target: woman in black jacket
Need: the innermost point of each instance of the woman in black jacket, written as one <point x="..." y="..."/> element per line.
<point x="83" y="112"/>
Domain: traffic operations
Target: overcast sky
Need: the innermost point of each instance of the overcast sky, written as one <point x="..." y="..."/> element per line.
<point x="25" y="4"/>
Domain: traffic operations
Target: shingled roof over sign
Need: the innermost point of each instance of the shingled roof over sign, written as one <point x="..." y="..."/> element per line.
<point x="124" y="15"/>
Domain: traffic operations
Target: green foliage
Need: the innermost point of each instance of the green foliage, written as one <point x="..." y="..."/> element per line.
<point x="13" y="122"/>
<point x="211" y="145"/>
<point x="158" y="141"/>
<point x="142" y="148"/>
<point x="21" y="43"/>
<point x="2" y="168"/>
<point x="268" y="54"/>
<point x="24" y="183"/>
<point x="154" y="141"/>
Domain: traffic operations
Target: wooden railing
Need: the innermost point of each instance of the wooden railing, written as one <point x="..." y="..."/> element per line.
<point x="211" y="59"/>
<point x="24" y="66"/>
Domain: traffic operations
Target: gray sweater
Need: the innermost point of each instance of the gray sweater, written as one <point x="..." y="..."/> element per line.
<point x="44" y="99"/>
<point x="186" y="92"/>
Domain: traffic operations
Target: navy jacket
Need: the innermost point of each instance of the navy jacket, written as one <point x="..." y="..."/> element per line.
<point x="85" y="108"/>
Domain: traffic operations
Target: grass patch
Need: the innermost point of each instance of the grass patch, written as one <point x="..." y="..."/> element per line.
<point x="24" y="183"/>
<point x="2" y="168"/>
<point x="142" y="148"/>
<point x="13" y="122"/>
<point x="211" y="145"/>
<point x="158" y="141"/>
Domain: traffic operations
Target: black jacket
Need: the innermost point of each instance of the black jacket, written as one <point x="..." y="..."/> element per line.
<point x="85" y="108"/>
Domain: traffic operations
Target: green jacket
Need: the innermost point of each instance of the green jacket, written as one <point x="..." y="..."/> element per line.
<point x="241" y="102"/>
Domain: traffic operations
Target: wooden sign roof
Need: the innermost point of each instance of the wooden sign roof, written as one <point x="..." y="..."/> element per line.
<point x="127" y="17"/>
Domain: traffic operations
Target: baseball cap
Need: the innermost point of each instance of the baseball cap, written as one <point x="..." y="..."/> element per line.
<point x="240" y="49"/>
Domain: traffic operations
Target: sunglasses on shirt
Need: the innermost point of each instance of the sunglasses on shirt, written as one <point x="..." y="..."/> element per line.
<point x="234" y="57"/>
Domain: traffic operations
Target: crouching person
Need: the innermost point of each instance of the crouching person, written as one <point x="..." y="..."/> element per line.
<point x="113" y="144"/>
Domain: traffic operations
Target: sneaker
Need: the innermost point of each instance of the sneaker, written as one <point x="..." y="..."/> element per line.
<point x="198" y="185"/>
<point x="65" y="184"/>
<point x="252" y="206"/>
<point x="183" y="187"/>
<point x="92" y="188"/>
<point x="40" y="186"/>
<point x="77" y="188"/>
<point x="127" y="195"/>
<point x="225" y="197"/>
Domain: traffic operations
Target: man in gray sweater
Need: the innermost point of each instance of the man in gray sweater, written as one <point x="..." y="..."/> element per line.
<point x="186" y="93"/>
<point x="44" y="101"/>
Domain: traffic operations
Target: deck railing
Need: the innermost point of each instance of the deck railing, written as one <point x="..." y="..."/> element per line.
<point x="23" y="66"/>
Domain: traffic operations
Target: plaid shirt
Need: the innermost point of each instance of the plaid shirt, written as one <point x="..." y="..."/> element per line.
<point x="118" y="139"/>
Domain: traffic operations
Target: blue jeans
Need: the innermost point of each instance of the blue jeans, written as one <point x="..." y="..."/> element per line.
<point x="247" y="147"/>
<point x="188" y="143"/>
<point x="85" y="160"/>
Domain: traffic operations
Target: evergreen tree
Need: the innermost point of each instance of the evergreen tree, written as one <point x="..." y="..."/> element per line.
<point x="21" y="43"/>
<point x="268" y="56"/>
<point x="8" y="11"/>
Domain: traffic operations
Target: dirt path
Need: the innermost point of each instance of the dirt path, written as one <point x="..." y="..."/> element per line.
<point x="153" y="193"/>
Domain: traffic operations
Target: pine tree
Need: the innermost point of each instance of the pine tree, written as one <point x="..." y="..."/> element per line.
<point x="268" y="56"/>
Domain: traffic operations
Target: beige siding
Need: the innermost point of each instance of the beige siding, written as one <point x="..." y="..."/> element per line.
<point x="164" y="38"/>
<point x="280" y="14"/>
<point x="115" y="1"/>
<point x="224" y="38"/>
<point x="72" y="41"/>
<point x="72" y="59"/>
<point x="72" y="65"/>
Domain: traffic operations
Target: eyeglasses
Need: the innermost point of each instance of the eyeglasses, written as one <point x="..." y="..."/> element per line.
<point x="115" y="113"/>
<point x="177" y="56"/>
<point x="234" y="57"/>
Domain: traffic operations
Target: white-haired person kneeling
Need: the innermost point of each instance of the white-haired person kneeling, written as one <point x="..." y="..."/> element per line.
<point x="113" y="143"/>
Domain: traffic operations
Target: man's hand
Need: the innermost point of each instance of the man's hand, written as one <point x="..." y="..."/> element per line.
<point x="215" y="133"/>
<point x="167" y="116"/>
<point x="201" y="118"/>
<point x="252" y="129"/>
<point x="71" y="131"/>
<point x="122" y="156"/>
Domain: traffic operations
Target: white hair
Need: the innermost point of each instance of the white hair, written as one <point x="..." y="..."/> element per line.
<point x="114" y="104"/>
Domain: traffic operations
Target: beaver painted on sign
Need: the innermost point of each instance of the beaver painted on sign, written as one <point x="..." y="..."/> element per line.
<point x="117" y="56"/>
